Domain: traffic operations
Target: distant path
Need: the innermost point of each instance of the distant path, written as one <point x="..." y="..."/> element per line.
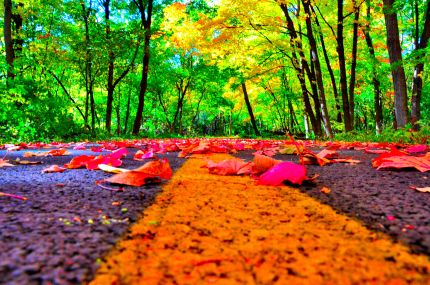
<point x="208" y="229"/>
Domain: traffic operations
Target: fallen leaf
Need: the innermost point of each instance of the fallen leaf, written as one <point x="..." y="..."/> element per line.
<point x="421" y="189"/>
<point x="79" y="161"/>
<point x="233" y="166"/>
<point x="376" y="162"/>
<point x="142" y="155"/>
<point x="108" y="160"/>
<point x="119" y="153"/>
<point x="4" y="163"/>
<point x="26" y="162"/>
<point x="111" y="169"/>
<point x="405" y="161"/>
<point x="150" y="171"/>
<point x="325" y="190"/>
<point x="284" y="171"/>
<point x="417" y="148"/>
<point x="53" y="168"/>
<point x="58" y="152"/>
<point x="346" y="160"/>
<point x="263" y="163"/>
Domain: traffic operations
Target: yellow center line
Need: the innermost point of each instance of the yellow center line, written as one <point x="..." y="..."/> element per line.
<point x="209" y="229"/>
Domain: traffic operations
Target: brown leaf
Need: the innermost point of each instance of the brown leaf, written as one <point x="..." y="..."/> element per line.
<point x="263" y="163"/>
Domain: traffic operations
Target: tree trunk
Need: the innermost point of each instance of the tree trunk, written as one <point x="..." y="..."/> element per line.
<point x="127" y="113"/>
<point x="347" y="120"/>
<point x="417" y="84"/>
<point x="182" y="91"/>
<point x="397" y="71"/>
<point x="146" y="17"/>
<point x="89" y="82"/>
<point x="296" y="42"/>
<point x="376" y="83"/>
<point x="352" y="79"/>
<point x="318" y="74"/>
<point x="10" y="54"/>
<point x="111" y="58"/>
<point x="250" y="112"/>
<point x="330" y="70"/>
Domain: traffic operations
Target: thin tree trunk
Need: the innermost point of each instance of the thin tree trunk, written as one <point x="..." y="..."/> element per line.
<point x="347" y="120"/>
<point x="249" y="107"/>
<point x="111" y="58"/>
<point x="397" y="71"/>
<point x="296" y="42"/>
<point x="89" y="84"/>
<point x="376" y="83"/>
<point x="352" y="79"/>
<point x="127" y="113"/>
<point x="146" y="17"/>
<point x="417" y="84"/>
<point x="318" y="72"/>
<point x="10" y="54"/>
<point x="330" y="70"/>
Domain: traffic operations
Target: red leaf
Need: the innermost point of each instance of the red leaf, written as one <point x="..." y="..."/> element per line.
<point x="417" y="148"/>
<point x="405" y="161"/>
<point x="284" y="171"/>
<point x="79" y="161"/>
<point x="376" y="162"/>
<point x="233" y="166"/>
<point x="152" y="170"/>
<point x="142" y="155"/>
<point x="108" y="160"/>
<point x="117" y="154"/>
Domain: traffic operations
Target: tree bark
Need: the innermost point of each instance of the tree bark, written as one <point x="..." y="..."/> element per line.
<point x="397" y="71"/>
<point x="301" y="69"/>
<point x="330" y="70"/>
<point x="111" y="58"/>
<point x="318" y="73"/>
<point x="146" y="17"/>
<point x="417" y="84"/>
<point x="7" y="33"/>
<point x="89" y="81"/>
<point x="342" y="69"/>
<point x="375" y="80"/>
<point x="249" y="107"/>
<point x="352" y="79"/>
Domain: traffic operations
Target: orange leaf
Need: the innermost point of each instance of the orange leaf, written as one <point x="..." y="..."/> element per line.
<point x="4" y="162"/>
<point x="153" y="170"/>
<point x="404" y="161"/>
<point x="53" y="168"/>
<point x="325" y="190"/>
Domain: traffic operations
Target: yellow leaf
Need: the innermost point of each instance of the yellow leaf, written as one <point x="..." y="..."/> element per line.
<point x="111" y="169"/>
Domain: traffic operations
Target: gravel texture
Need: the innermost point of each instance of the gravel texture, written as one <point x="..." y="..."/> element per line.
<point x="68" y="223"/>
<point x="382" y="199"/>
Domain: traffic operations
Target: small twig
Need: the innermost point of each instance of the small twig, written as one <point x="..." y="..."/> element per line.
<point x="99" y="183"/>
<point x="13" y="196"/>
